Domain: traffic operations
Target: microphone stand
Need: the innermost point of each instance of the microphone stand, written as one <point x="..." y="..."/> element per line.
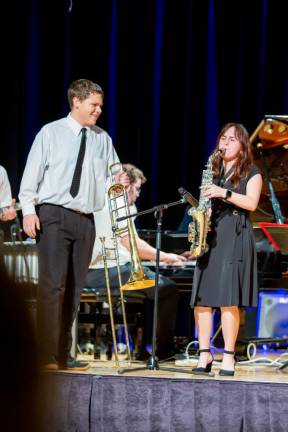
<point x="152" y="363"/>
<point x="283" y="366"/>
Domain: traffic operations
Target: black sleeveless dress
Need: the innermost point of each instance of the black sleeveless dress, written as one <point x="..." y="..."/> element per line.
<point x="227" y="274"/>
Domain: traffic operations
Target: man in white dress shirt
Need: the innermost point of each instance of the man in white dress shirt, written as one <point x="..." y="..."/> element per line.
<point x="7" y="212"/>
<point x="60" y="214"/>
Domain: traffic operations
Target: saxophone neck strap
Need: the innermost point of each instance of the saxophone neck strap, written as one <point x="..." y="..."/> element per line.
<point x="224" y="176"/>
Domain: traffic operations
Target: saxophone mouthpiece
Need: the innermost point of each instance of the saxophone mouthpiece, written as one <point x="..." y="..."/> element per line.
<point x="218" y="154"/>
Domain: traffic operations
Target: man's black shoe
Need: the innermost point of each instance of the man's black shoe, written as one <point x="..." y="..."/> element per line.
<point x="75" y="365"/>
<point x="50" y="364"/>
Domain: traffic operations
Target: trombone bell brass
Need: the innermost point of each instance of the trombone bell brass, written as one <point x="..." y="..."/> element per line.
<point x="138" y="284"/>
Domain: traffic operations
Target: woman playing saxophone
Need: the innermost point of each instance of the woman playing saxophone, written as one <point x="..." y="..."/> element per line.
<point x="226" y="275"/>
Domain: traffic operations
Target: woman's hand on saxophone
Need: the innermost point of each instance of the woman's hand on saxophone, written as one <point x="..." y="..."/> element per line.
<point x="213" y="191"/>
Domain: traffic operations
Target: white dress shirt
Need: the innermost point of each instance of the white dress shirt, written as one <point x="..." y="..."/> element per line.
<point x="5" y="189"/>
<point x="51" y="163"/>
<point x="104" y="229"/>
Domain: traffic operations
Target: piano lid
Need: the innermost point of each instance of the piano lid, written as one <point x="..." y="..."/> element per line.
<point x="271" y="139"/>
<point x="271" y="132"/>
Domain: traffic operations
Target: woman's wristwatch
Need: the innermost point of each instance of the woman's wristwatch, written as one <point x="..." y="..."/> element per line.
<point x="228" y="194"/>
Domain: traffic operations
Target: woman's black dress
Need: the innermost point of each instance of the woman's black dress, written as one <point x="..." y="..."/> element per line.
<point x="227" y="274"/>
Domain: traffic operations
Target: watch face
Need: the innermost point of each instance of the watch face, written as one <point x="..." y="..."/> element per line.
<point x="228" y="193"/>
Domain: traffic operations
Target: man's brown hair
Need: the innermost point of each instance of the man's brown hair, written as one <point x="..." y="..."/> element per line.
<point x="81" y="89"/>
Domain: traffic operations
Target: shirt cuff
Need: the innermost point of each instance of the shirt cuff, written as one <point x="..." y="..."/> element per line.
<point x="28" y="209"/>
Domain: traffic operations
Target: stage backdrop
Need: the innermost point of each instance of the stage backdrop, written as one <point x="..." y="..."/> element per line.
<point x="172" y="73"/>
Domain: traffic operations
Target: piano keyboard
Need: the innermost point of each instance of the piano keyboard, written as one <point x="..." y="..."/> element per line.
<point x="163" y="265"/>
<point x="182" y="273"/>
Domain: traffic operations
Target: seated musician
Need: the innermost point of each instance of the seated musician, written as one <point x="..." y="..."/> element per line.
<point x="7" y="212"/>
<point x="168" y="292"/>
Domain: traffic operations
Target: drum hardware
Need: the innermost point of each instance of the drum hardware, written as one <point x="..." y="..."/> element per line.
<point x="21" y="259"/>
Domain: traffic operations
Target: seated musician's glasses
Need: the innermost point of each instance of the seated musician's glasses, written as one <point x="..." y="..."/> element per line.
<point x="137" y="189"/>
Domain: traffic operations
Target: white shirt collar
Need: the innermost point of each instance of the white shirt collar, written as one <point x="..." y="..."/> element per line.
<point x="74" y="125"/>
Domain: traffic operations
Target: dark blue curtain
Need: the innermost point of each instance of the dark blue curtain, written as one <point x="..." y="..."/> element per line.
<point x="172" y="73"/>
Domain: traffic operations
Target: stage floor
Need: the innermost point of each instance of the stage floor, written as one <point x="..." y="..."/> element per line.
<point x="257" y="372"/>
<point x="254" y="400"/>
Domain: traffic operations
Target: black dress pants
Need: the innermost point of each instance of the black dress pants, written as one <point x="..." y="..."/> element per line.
<point x="65" y="247"/>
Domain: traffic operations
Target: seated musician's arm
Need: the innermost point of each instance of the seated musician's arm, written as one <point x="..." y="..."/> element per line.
<point x="148" y="252"/>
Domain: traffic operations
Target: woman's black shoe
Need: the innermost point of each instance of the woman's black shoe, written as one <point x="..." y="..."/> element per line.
<point x="224" y="372"/>
<point x="203" y="370"/>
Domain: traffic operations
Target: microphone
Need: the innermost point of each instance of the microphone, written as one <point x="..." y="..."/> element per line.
<point x="188" y="197"/>
<point x="13" y="232"/>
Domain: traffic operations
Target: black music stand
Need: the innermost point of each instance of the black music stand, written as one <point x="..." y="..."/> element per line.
<point x="152" y="363"/>
<point x="278" y="236"/>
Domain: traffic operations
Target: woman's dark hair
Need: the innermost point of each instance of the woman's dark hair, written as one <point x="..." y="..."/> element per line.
<point x="244" y="159"/>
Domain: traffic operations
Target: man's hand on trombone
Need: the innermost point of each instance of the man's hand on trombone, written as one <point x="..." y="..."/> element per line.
<point x="122" y="178"/>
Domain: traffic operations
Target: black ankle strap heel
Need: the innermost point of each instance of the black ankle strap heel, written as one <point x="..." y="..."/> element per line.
<point x="224" y="372"/>
<point x="204" y="370"/>
<point x="231" y="353"/>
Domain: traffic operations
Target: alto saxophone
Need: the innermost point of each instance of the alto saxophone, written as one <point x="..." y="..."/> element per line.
<point x="201" y="216"/>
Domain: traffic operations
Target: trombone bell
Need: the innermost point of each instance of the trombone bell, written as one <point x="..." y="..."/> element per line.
<point x="137" y="284"/>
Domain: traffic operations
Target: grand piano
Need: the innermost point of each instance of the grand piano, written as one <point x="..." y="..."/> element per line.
<point x="269" y="146"/>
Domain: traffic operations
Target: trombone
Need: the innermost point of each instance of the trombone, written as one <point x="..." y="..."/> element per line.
<point x="119" y="207"/>
<point x="107" y="280"/>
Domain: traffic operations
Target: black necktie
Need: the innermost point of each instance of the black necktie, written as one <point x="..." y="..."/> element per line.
<point x="78" y="168"/>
